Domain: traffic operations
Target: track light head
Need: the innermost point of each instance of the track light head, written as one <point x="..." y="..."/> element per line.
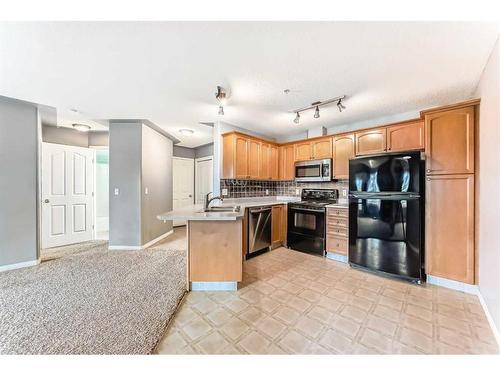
<point x="221" y="110"/>
<point x="297" y="118"/>
<point x="316" y="112"/>
<point x="340" y="106"/>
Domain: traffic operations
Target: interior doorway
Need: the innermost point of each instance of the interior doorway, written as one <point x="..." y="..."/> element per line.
<point x="183" y="184"/>
<point x="204" y="177"/>
<point x="67" y="195"/>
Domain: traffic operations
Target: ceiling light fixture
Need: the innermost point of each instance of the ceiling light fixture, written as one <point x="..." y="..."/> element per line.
<point x="297" y="118"/>
<point x="318" y="104"/>
<point x="186" y="132"/>
<point x="340" y="106"/>
<point x="316" y="112"/>
<point x="221" y="96"/>
<point x="81" y="127"/>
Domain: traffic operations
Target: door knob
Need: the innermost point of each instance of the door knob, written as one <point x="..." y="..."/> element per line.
<point x="190" y="195"/>
<point x="46" y="201"/>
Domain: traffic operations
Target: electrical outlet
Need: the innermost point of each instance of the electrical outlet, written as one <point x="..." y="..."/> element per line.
<point x="117" y="191"/>
<point x="297" y="191"/>
<point x="224" y="192"/>
<point x="267" y="191"/>
<point x="146" y="191"/>
<point x="344" y="192"/>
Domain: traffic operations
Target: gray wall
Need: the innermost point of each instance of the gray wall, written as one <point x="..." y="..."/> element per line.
<point x="184" y="152"/>
<point x="205" y="150"/>
<point x="157" y="178"/>
<point x="18" y="181"/>
<point x="125" y="155"/>
<point x="72" y="137"/>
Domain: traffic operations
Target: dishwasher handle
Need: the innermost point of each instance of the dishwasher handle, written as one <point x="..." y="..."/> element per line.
<point x="258" y="210"/>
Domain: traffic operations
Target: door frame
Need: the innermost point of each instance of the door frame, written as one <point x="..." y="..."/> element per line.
<point x="204" y="158"/>
<point x="94" y="197"/>
<point x="40" y="194"/>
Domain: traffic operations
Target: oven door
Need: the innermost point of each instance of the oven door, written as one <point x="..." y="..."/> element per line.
<point x="314" y="170"/>
<point x="306" y="229"/>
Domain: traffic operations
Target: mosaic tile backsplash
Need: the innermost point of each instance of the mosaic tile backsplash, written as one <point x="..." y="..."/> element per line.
<point x="248" y="189"/>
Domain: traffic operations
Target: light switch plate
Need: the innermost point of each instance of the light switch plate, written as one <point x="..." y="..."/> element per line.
<point x="224" y="192"/>
<point x="146" y="191"/>
<point x="267" y="191"/>
<point x="344" y="192"/>
<point x="297" y="191"/>
<point x="117" y="191"/>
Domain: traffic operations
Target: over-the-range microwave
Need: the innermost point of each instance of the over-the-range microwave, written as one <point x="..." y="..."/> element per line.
<point x="313" y="170"/>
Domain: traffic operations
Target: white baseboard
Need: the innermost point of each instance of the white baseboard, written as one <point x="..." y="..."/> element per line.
<point x="16" y="266"/>
<point x="337" y="257"/>
<point x="145" y="246"/>
<point x="493" y="326"/>
<point x="224" y="286"/>
<point x="452" y="284"/>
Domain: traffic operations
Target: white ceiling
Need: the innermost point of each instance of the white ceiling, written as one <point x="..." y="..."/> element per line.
<point x="168" y="72"/>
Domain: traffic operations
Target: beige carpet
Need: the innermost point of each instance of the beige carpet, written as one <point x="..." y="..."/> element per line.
<point x="92" y="301"/>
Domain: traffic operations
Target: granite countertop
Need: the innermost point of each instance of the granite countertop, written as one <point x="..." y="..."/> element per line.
<point x="195" y="212"/>
<point x="341" y="203"/>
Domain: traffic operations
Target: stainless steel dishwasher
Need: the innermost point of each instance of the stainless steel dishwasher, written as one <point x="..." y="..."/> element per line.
<point x="259" y="229"/>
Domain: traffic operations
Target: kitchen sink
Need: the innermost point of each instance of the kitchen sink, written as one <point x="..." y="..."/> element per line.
<point x="222" y="209"/>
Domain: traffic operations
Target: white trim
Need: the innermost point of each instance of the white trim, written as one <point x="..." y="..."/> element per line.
<point x="214" y="286"/>
<point x="16" y="266"/>
<point x="205" y="158"/>
<point x="337" y="257"/>
<point x="145" y="246"/>
<point x="452" y="284"/>
<point x="493" y="326"/>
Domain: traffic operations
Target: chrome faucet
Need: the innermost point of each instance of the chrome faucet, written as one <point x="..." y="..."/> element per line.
<point x="209" y="200"/>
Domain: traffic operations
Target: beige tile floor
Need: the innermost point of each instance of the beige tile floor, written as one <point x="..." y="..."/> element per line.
<point x="295" y="303"/>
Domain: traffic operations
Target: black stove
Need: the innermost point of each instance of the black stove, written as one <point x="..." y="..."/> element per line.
<point x="306" y="220"/>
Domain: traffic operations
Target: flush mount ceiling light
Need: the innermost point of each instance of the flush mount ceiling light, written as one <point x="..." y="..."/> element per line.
<point x="187" y="132"/>
<point x="221" y="96"/>
<point x="81" y="127"/>
<point x="316" y="106"/>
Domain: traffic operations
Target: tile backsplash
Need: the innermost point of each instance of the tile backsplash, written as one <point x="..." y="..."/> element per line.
<point x="248" y="188"/>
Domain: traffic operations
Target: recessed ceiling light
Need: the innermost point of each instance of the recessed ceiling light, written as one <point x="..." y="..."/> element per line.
<point x="187" y="132"/>
<point x="81" y="127"/>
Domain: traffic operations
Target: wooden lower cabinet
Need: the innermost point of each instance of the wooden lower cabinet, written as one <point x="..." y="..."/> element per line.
<point x="337" y="227"/>
<point x="277" y="232"/>
<point x="449" y="227"/>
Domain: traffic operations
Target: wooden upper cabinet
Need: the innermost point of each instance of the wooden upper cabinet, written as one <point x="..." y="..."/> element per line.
<point x="321" y="148"/>
<point x="264" y="170"/>
<point x="371" y="141"/>
<point x="343" y="150"/>
<point x="240" y="158"/>
<point x="254" y="155"/>
<point x="405" y="137"/>
<point x="287" y="162"/>
<point x="273" y="163"/>
<point x="449" y="227"/>
<point x="303" y="151"/>
<point x="449" y="141"/>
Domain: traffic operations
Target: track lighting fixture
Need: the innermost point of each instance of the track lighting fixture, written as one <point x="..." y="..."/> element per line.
<point x="340" y="106"/>
<point x="297" y="118"/>
<point x="221" y="96"/>
<point x="316" y="112"/>
<point x="318" y="104"/>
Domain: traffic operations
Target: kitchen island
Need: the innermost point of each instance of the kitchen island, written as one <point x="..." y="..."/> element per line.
<point x="216" y="242"/>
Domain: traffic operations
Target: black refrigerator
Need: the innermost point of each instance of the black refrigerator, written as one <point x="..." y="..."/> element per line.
<point x="386" y="214"/>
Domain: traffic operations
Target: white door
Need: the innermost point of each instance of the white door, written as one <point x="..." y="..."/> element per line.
<point x="204" y="178"/>
<point x="67" y="194"/>
<point x="183" y="184"/>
